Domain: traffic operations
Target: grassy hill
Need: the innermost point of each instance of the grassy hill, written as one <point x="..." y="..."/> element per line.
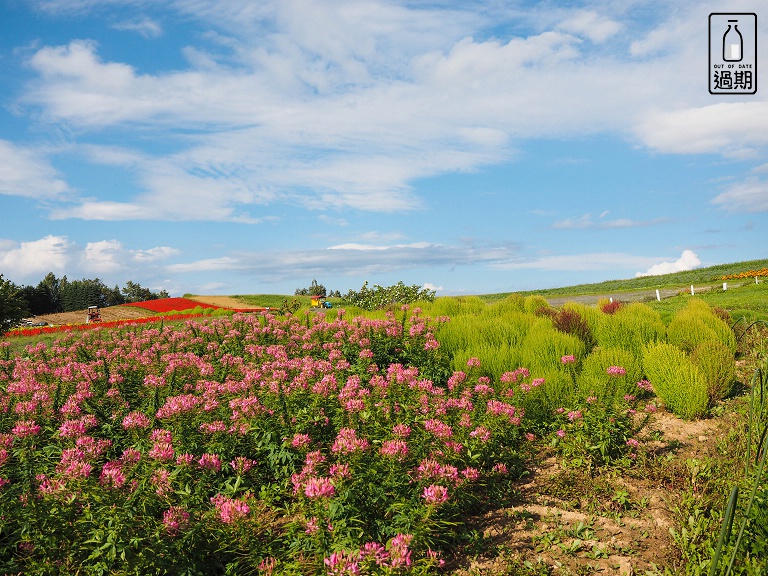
<point x="709" y="276"/>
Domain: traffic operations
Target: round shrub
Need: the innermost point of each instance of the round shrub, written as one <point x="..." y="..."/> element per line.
<point x="718" y="365"/>
<point x="630" y="327"/>
<point x="595" y="378"/>
<point x="591" y="315"/>
<point x="570" y="321"/>
<point x="536" y="304"/>
<point x="697" y="323"/>
<point x="544" y="347"/>
<point x="677" y="381"/>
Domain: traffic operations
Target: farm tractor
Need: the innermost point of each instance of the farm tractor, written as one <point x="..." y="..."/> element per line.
<point x="93" y="315"/>
<point x="320" y="302"/>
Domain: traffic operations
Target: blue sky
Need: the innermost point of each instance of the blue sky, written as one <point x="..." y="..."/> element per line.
<point x="239" y="147"/>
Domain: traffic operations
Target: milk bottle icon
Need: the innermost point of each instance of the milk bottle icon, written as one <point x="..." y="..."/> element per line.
<point x="733" y="43"/>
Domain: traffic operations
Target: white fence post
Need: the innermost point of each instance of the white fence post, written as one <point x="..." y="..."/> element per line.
<point x="658" y="296"/>
<point x="725" y="285"/>
<point x="692" y="293"/>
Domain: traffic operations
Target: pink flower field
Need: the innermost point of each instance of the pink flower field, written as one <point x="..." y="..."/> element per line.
<point x="249" y="444"/>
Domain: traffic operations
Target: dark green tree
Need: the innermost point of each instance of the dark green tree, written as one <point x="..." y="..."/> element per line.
<point x="13" y="306"/>
<point x="314" y="289"/>
<point x="79" y="294"/>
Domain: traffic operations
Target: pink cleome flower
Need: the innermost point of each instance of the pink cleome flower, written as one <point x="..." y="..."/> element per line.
<point x="347" y="442"/>
<point x="210" y="462"/>
<point x="434" y="494"/>
<point x="241" y="464"/>
<point x="319" y="488"/>
<point x="25" y="428"/>
<point x="394" y="448"/>
<point x="300" y="440"/>
<point x="136" y="419"/>
<point x="175" y="520"/>
<point x="230" y="510"/>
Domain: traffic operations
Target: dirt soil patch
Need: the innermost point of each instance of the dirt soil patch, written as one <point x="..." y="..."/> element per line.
<point x="107" y="315"/>
<point x="565" y="521"/>
<point x="223" y="301"/>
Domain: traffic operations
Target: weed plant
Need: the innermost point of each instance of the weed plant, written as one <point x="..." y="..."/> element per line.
<point x="536" y="304"/>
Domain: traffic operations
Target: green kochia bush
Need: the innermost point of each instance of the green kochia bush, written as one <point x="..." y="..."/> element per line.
<point x="718" y="366"/>
<point x="594" y="378"/>
<point x="631" y="327"/>
<point x="496" y="358"/>
<point x="679" y="383"/>
<point x="536" y="303"/>
<point x="544" y="347"/>
<point x="697" y="323"/>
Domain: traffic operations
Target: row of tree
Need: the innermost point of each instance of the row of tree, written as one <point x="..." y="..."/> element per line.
<point x="53" y="295"/>
<point x="316" y="289"/>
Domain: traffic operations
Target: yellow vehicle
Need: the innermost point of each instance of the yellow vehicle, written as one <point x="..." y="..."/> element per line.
<point x="320" y="302"/>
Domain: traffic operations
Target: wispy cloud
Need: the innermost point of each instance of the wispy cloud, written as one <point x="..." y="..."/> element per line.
<point x="145" y="26"/>
<point x="27" y="172"/>
<point x="587" y="221"/>
<point x="352" y="259"/>
<point x="594" y="261"/>
<point x="328" y="110"/>
<point x="751" y="195"/>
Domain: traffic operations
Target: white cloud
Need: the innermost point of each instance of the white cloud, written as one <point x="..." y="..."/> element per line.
<point x="751" y="195"/>
<point x="586" y="221"/>
<point x="24" y="260"/>
<point x="729" y="128"/>
<point x="110" y="260"/>
<point x="367" y="247"/>
<point x="687" y="261"/>
<point x="25" y="172"/>
<point x="350" y="259"/>
<point x="592" y="25"/>
<point x="145" y="26"/>
<point x="343" y="120"/>
<point x="154" y="254"/>
<point x="103" y="257"/>
<point x="430" y="286"/>
<point x="346" y="105"/>
<point x="592" y="261"/>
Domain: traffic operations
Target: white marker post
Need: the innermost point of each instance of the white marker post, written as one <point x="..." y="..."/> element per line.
<point x="725" y="285"/>
<point x="692" y="293"/>
<point x="658" y="296"/>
